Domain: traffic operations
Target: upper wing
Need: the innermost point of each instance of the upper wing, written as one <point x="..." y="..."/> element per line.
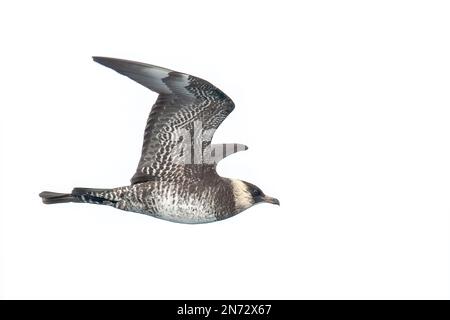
<point x="181" y="123"/>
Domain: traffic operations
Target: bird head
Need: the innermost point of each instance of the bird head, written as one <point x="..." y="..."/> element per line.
<point x="247" y="195"/>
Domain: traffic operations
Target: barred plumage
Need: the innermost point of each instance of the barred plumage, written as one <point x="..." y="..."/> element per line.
<point x="176" y="177"/>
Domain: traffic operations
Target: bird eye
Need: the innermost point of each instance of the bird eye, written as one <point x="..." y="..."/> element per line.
<point x="256" y="193"/>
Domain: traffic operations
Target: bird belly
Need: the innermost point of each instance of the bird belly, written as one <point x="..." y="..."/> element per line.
<point x="173" y="203"/>
<point x="185" y="212"/>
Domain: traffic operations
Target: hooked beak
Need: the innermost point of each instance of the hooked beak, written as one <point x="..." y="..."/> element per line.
<point x="271" y="200"/>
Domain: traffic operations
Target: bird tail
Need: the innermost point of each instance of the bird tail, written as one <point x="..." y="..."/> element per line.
<point x="54" y="197"/>
<point x="89" y="195"/>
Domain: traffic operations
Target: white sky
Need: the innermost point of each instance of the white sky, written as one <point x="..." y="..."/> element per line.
<point x="345" y="109"/>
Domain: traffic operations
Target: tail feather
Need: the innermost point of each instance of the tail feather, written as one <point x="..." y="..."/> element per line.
<point x="89" y="195"/>
<point x="88" y="191"/>
<point x="54" y="197"/>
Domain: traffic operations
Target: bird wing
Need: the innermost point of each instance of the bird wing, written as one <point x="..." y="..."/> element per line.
<point x="181" y="123"/>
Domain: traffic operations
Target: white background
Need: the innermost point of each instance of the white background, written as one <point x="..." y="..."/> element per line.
<point x="345" y="107"/>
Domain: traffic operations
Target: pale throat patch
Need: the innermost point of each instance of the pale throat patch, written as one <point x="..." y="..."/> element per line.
<point x="242" y="198"/>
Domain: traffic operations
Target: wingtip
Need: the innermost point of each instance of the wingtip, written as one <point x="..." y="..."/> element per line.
<point x="112" y="63"/>
<point x="100" y="59"/>
<point x="106" y="60"/>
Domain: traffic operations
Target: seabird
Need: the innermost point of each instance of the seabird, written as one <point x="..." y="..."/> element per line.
<point x="176" y="179"/>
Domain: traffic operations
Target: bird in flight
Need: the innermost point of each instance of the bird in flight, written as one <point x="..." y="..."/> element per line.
<point x="176" y="178"/>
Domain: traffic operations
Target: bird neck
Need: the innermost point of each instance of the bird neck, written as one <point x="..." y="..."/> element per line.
<point x="242" y="197"/>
